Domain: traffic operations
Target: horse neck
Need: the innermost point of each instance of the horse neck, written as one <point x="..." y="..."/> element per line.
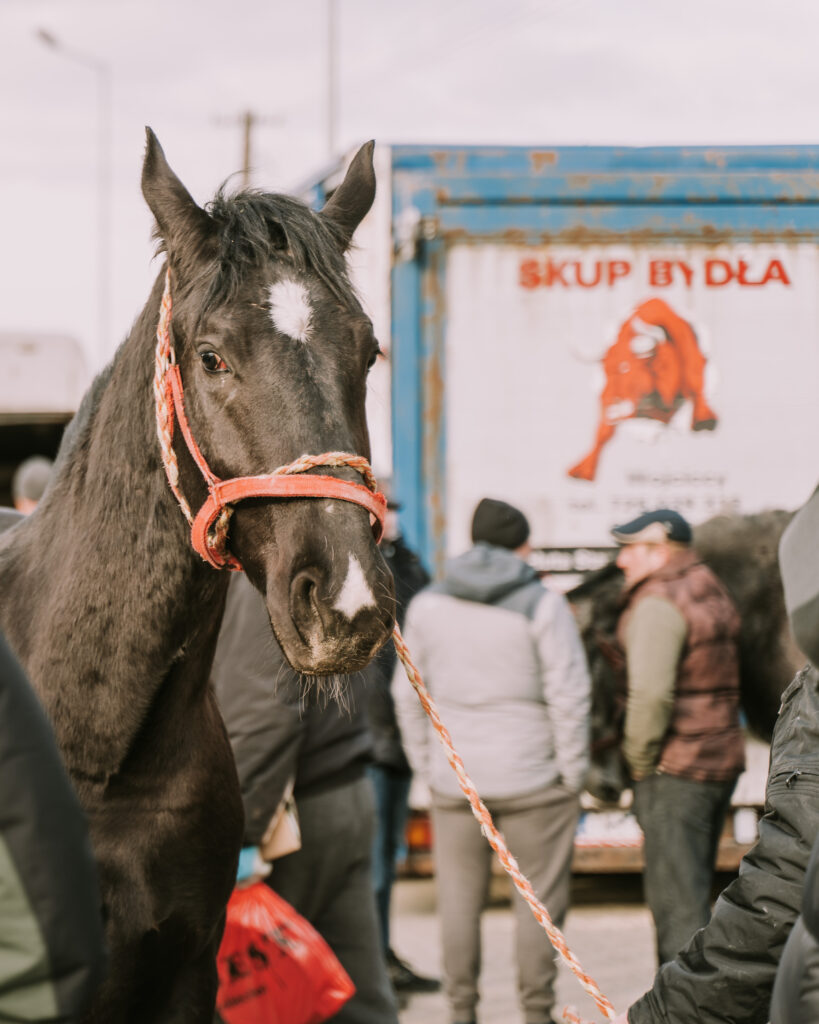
<point x="110" y="602"/>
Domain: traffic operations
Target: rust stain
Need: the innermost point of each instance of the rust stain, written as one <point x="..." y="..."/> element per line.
<point x="705" y="234"/>
<point x="542" y="158"/>
<point x="716" y="157"/>
<point x="433" y="397"/>
<point x="581" y="182"/>
<point x="449" y="163"/>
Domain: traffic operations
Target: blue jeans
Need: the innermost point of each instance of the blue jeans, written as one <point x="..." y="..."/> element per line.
<point x="682" y="821"/>
<point x="391" y="808"/>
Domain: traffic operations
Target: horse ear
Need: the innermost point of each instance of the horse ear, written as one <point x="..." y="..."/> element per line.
<point x="353" y="198"/>
<point x="184" y="226"/>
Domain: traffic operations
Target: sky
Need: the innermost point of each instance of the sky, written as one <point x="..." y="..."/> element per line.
<point x="529" y="72"/>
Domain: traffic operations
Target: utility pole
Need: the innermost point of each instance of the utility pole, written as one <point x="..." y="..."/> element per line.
<point x="247" y="121"/>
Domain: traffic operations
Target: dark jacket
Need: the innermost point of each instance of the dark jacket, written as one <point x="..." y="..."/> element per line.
<point x="726" y="972"/>
<point x="52" y="943"/>
<point x="704" y="739"/>
<point x="280" y="726"/>
<point x="796" y="991"/>
<point x="410" y="577"/>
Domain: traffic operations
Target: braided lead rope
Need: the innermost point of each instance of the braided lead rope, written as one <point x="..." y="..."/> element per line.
<point x="306" y="462"/>
<point x="164" y="417"/>
<point x="496" y="840"/>
<point x="218" y="534"/>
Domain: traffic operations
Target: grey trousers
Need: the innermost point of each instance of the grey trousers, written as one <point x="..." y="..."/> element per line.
<point x="329" y="882"/>
<point x="682" y="821"/>
<point x="539" y="830"/>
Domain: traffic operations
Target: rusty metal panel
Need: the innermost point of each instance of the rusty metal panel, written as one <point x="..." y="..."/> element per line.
<point x="587" y="383"/>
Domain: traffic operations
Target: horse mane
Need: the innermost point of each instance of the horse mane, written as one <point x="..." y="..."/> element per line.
<point x="254" y="228"/>
<point x="81" y="421"/>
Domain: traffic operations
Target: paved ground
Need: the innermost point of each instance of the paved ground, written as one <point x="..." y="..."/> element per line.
<point x="609" y="931"/>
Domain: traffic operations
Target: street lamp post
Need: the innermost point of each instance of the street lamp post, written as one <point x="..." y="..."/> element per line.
<point x="104" y="135"/>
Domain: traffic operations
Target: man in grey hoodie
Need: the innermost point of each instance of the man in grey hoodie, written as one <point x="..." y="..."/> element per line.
<point x="502" y="658"/>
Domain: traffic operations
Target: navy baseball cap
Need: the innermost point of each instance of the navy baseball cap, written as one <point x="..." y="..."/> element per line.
<point x="664" y="524"/>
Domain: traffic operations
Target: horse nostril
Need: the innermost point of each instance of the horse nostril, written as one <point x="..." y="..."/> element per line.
<point x="304" y="603"/>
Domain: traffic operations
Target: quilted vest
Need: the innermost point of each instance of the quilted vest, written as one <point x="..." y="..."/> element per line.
<point x="704" y="739"/>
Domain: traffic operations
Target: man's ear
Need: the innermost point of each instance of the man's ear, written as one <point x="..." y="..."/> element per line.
<point x="185" y="228"/>
<point x="351" y="201"/>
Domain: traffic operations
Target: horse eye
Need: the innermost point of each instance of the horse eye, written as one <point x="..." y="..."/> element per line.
<point x="373" y="357"/>
<point x="213" y="362"/>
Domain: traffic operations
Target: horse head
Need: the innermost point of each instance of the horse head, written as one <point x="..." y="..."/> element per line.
<point x="273" y="350"/>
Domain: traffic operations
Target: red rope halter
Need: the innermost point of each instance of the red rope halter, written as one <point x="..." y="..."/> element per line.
<point x="210" y="524"/>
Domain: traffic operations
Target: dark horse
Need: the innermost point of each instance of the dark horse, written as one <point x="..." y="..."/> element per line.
<point x="115" y="617"/>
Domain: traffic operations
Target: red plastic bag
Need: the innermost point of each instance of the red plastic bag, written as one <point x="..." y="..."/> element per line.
<point x="274" y="967"/>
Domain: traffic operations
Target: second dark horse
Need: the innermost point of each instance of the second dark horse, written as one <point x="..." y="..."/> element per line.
<point x="115" y="617"/>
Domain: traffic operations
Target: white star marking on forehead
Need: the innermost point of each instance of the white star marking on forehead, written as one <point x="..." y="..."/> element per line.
<point x="355" y="594"/>
<point x="290" y="309"/>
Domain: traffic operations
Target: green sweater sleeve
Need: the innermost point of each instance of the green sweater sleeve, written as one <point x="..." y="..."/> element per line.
<point x="655" y="637"/>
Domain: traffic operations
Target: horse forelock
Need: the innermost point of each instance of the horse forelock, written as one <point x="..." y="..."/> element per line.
<point x="254" y="229"/>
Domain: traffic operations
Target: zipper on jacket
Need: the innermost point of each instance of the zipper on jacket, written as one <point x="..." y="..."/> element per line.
<point x="790" y="773"/>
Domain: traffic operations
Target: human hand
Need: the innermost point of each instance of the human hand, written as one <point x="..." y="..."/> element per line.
<point x="252" y="868"/>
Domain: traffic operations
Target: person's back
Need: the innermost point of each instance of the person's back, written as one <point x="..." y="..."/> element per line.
<point x="390" y="771"/>
<point x="52" y="941"/>
<point x="288" y="731"/>
<point x="480" y="631"/>
<point x="409" y="577"/>
<point x="502" y="658"/>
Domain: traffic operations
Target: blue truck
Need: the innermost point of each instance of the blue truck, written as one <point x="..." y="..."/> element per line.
<point x="587" y="332"/>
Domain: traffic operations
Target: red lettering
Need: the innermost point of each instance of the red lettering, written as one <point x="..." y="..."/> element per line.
<point x="687" y="272"/>
<point x="579" y="276"/>
<point x="554" y="272"/>
<point x="618" y="268"/>
<point x="775" y="272"/>
<point x="742" y="275"/>
<point x="529" y="274"/>
<point x="718" y="273"/>
<point x="659" y="273"/>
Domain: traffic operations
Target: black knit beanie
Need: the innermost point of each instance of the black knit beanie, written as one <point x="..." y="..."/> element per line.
<point x="496" y="522"/>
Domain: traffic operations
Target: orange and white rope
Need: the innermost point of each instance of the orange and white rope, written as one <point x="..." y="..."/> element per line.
<point x="497" y="842"/>
<point x="163" y="358"/>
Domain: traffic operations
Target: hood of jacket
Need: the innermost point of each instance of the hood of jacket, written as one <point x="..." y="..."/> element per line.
<point x="799" y="562"/>
<point x="485" y="574"/>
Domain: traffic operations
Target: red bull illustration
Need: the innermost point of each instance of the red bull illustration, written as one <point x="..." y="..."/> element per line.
<point x="651" y="370"/>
